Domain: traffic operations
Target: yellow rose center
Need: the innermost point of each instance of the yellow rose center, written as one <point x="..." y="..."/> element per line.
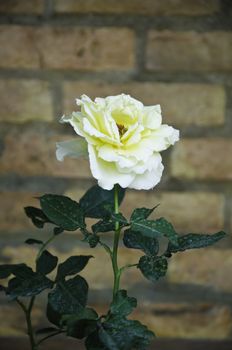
<point x="122" y="129"/>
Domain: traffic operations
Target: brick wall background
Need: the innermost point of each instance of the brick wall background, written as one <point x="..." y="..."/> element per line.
<point x="174" y="52"/>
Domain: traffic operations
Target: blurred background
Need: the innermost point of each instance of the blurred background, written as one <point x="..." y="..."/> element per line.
<point x="177" y="53"/>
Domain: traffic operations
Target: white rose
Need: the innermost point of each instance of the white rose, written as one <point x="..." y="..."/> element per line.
<point x="123" y="139"/>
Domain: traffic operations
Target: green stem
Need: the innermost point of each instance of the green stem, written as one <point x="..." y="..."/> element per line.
<point x="27" y="312"/>
<point x="49" y="336"/>
<point x="117" y="272"/>
<point x="127" y="267"/>
<point x="106" y="247"/>
<point x="44" y="245"/>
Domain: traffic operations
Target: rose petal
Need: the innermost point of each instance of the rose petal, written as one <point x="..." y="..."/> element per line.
<point x="152" y="118"/>
<point x="164" y="137"/>
<point x="106" y="172"/>
<point x="74" y="148"/>
<point x="149" y="179"/>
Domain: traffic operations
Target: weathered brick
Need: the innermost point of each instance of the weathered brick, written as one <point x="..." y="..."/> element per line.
<point x="182" y="104"/>
<point x="204" y="212"/>
<point x="189" y="51"/>
<point x="18" y="47"/>
<point x="148" y="7"/>
<point x="66" y="47"/>
<point x="208" y="158"/>
<point x="21" y="6"/>
<point x="187" y="321"/>
<point x="32" y="152"/>
<point x="13" y="321"/>
<point x="25" y="100"/>
<point x="12" y="216"/>
<point x="209" y="268"/>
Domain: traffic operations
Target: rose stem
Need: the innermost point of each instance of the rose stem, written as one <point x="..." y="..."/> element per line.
<point x="117" y="272"/>
<point x="27" y="312"/>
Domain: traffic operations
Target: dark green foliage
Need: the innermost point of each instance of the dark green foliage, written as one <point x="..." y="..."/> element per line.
<point x="118" y="333"/>
<point x="66" y="307"/>
<point x="63" y="211"/>
<point x="46" y="263"/>
<point x="93" y="342"/>
<point x="37" y="216"/>
<point x="27" y="287"/>
<point x="137" y="240"/>
<point x="155" y="228"/>
<point x="2" y="288"/>
<point x="93" y="240"/>
<point x="82" y="324"/>
<point x="58" y="230"/>
<point x="7" y="269"/>
<point x="141" y="213"/>
<point x="31" y="241"/>
<point x="25" y="282"/>
<point x="153" y="267"/>
<point x="69" y="297"/>
<point x="46" y="330"/>
<point x="72" y="266"/>
<point x="39" y="219"/>
<point x="98" y="203"/>
<point x="103" y="226"/>
<point x="194" y="241"/>
<point x="120" y="218"/>
<point x="108" y="225"/>
<point x="122" y="305"/>
<point x="53" y="316"/>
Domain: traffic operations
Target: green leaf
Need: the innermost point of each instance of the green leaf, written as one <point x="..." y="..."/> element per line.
<point x="103" y="226"/>
<point x="19" y="270"/>
<point x="3" y="288"/>
<point x="46" y="330"/>
<point x="19" y="287"/>
<point x="97" y="202"/>
<point x="7" y="269"/>
<point x="72" y="266"/>
<point x="26" y="282"/>
<point x="156" y="228"/>
<point x="69" y="297"/>
<point x="137" y="240"/>
<point x="58" y="230"/>
<point x="93" y="240"/>
<point x="108" y="340"/>
<point x="63" y="211"/>
<point x="194" y="241"/>
<point x="53" y="316"/>
<point x="80" y="325"/>
<point x="108" y="225"/>
<point x="121" y="334"/>
<point x="141" y="213"/>
<point x="153" y="267"/>
<point x="31" y="241"/>
<point x="120" y="218"/>
<point x="93" y="342"/>
<point x="46" y="263"/>
<point x="37" y="216"/>
<point x="122" y="305"/>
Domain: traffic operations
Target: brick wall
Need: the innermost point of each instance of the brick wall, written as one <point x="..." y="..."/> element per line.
<point x="174" y="52"/>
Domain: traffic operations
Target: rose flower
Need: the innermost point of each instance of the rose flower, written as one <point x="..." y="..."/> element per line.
<point x="123" y="139"/>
